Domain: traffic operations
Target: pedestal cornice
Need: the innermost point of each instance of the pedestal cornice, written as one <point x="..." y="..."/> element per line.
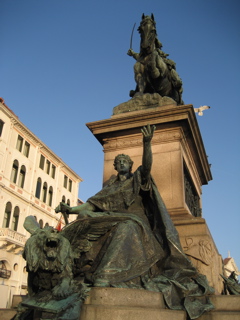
<point x="165" y="117"/>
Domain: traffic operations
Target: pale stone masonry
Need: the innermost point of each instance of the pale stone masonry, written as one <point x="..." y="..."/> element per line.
<point x="33" y="180"/>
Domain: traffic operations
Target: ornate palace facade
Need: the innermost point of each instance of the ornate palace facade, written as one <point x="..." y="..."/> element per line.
<point x="33" y="180"/>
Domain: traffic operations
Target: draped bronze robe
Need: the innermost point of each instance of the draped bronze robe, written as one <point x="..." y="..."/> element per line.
<point x="141" y="237"/>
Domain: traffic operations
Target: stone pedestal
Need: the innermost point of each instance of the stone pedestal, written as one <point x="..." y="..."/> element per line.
<point x="127" y="304"/>
<point x="199" y="246"/>
<point x="132" y="304"/>
<point x="180" y="168"/>
<point x="180" y="165"/>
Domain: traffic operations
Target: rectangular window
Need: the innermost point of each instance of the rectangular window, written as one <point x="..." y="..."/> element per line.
<point x="1" y="127"/>
<point x="70" y="185"/>
<point x="48" y="166"/>
<point x="41" y="163"/>
<point x="26" y="149"/>
<point x="53" y="171"/>
<point x="19" y="143"/>
<point x="65" y="181"/>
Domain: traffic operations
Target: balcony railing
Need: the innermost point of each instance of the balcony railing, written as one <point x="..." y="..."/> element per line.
<point x="12" y="237"/>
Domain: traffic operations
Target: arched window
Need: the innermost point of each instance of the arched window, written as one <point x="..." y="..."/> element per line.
<point x="15" y="219"/>
<point x="70" y="185"/>
<point x="50" y="196"/>
<point x="7" y="215"/>
<point x="22" y="177"/>
<point x="44" y="194"/>
<point x="1" y="127"/>
<point x="38" y="188"/>
<point x="41" y="223"/>
<point x="68" y="202"/>
<point x="46" y="224"/>
<point x="14" y="172"/>
<point x="4" y="272"/>
<point x="63" y="199"/>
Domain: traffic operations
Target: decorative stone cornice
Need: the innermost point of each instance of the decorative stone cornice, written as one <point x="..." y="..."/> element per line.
<point x="166" y="118"/>
<point x="136" y="140"/>
<point x="21" y="128"/>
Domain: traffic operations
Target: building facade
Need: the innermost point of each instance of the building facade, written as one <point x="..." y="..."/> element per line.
<point x="230" y="266"/>
<point x="33" y="180"/>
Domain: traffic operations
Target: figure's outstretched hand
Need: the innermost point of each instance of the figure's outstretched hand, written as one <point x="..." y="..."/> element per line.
<point x="148" y="132"/>
<point x="62" y="207"/>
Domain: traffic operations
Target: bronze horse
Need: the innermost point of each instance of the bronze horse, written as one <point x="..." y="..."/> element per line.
<point x="154" y="72"/>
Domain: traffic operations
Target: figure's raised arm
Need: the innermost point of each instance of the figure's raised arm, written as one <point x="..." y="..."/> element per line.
<point x="133" y="54"/>
<point x="147" y="133"/>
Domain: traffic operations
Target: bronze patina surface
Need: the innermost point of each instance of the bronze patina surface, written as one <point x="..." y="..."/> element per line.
<point x="154" y="72"/>
<point x="127" y="239"/>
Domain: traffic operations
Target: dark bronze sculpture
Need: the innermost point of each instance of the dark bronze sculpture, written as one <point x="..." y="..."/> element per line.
<point x="231" y="284"/>
<point x="154" y="72"/>
<point x="126" y="238"/>
<point x="123" y="238"/>
<point x="51" y="287"/>
<point x="49" y="261"/>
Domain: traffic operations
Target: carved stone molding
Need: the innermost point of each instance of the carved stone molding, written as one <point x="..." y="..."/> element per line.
<point x="200" y="249"/>
<point x="3" y="244"/>
<point x="11" y="247"/>
<point x="136" y="141"/>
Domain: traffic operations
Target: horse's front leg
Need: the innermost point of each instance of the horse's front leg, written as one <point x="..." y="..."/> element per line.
<point x="140" y="77"/>
<point x="152" y="66"/>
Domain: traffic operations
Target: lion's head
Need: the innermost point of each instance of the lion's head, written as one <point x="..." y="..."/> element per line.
<point x="48" y="250"/>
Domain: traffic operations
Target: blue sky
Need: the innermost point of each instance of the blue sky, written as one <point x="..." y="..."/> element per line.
<point x="63" y="63"/>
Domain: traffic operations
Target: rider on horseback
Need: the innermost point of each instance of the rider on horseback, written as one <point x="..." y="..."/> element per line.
<point x="154" y="72"/>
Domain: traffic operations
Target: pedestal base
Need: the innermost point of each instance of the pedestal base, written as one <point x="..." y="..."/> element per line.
<point x="199" y="246"/>
<point x="127" y="304"/>
<point x="132" y="304"/>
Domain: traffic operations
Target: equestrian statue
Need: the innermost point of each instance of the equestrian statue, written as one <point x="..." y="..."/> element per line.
<point x="154" y="72"/>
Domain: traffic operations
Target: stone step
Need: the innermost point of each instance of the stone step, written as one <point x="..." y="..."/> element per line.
<point x="132" y="304"/>
<point x="220" y="315"/>
<point x="125" y="297"/>
<point x="127" y="304"/>
<point x="7" y="314"/>
<point x="127" y="313"/>
<point x="17" y="298"/>
<point x="226" y="303"/>
<point x="100" y="312"/>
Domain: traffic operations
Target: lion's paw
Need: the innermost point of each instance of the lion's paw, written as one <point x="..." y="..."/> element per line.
<point x="62" y="291"/>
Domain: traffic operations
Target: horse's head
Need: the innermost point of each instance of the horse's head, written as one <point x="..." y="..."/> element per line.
<point x="147" y="30"/>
